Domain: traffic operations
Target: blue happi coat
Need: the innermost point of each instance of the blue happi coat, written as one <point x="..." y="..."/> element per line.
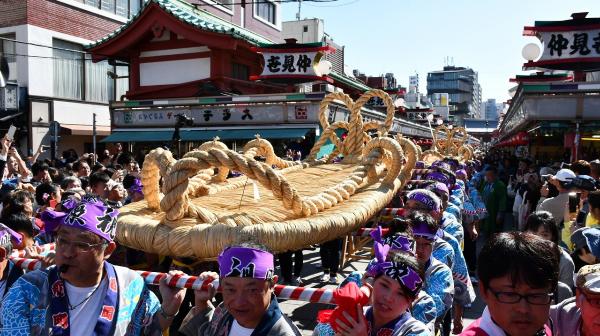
<point x="25" y="308"/>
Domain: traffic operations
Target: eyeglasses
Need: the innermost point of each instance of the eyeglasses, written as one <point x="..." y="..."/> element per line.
<point x="82" y="247"/>
<point x="512" y="297"/>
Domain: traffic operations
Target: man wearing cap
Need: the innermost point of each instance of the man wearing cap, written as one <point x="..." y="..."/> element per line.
<point x="580" y="315"/>
<point x="83" y="294"/>
<point x="558" y="206"/>
<point x="249" y="305"/>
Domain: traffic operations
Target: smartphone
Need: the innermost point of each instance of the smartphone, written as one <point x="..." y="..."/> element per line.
<point x="11" y="132"/>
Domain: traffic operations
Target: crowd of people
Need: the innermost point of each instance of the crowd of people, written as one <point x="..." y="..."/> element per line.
<point x="521" y="235"/>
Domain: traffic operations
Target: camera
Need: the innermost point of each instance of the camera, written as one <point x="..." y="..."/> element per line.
<point x="183" y="120"/>
<point x="45" y="147"/>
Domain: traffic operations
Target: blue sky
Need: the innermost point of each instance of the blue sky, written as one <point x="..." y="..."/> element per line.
<point x="405" y="37"/>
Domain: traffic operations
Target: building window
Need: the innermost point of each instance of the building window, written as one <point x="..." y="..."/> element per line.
<point x="240" y="71"/>
<point x="98" y="86"/>
<point x="68" y="70"/>
<point x="225" y="3"/>
<point x="305" y="29"/>
<point x="125" y="8"/>
<point x="266" y="10"/>
<point x="8" y="49"/>
<point x="77" y="77"/>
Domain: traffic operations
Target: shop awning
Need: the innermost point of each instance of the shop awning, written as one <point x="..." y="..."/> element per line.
<point x="205" y="135"/>
<point x="70" y="129"/>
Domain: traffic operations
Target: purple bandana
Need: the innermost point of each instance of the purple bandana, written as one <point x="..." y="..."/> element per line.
<point x="406" y="276"/>
<point x="245" y="262"/>
<point x="397" y="242"/>
<point x="437" y="176"/>
<point x="419" y="165"/>
<point x="461" y="172"/>
<point x="439" y="188"/>
<point x="427" y="198"/>
<point x="421" y="229"/>
<point x="91" y="214"/>
<point x="136" y="187"/>
<point x="7" y="235"/>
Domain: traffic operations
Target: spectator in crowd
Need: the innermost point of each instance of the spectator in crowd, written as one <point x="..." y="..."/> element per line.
<point x="582" y="254"/>
<point x="557" y="205"/>
<point x="493" y="192"/>
<point x="116" y="194"/>
<point x="70" y="182"/>
<point x="595" y="169"/>
<point x="40" y="173"/>
<point x="543" y="225"/>
<point x="581" y="167"/>
<point x="82" y="168"/>
<point x="19" y="201"/>
<point x="249" y="306"/>
<point x="518" y="274"/>
<point x="579" y="315"/>
<point x="99" y="185"/>
<point x="47" y="195"/>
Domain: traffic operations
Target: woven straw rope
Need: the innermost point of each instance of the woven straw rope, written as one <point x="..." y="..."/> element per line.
<point x="380" y="169"/>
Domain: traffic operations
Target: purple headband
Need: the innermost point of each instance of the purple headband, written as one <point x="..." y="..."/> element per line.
<point x="439" y="187"/>
<point x="427" y="200"/>
<point x="245" y="262"/>
<point x="8" y="235"/>
<point x="406" y="276"/>
<point x="397" y="242"/>
<point x="437" y="176"/>
<point x="421" y="229"/>
<point x="91" y="214"/>
<point x="136" y="186"/>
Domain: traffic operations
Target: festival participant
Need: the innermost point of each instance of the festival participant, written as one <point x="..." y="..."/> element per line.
<point x="438" y="276"/>
<point x="249" y="305"/>
<point x="9" y="273"/>
<point x="464" y="293"/>
<point x="397" y="282"/>
<point x="518" y="273"/>
<point x="580" y="315"/>
<point x="83" y="294"/>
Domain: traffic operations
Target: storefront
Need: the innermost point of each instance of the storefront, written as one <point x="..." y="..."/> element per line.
<point x="557" y="111"/>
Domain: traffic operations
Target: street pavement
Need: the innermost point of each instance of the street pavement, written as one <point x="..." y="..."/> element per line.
<point x="305" y="314"/>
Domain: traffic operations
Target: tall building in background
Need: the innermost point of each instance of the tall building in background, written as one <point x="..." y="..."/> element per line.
<point x="492" y="109"/>
<point x="464" y="91"/>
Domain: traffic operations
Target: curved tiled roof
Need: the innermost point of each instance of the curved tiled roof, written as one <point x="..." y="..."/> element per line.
<point x="193" y="16"/>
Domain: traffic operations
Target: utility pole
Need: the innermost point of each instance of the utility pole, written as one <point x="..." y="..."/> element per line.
<point x="94" y="138"/>
<point x="299" y="10"/>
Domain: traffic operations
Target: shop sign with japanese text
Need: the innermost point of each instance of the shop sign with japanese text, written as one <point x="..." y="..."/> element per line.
<point x="219" y="115"/>
<point x="570" y="44"/>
